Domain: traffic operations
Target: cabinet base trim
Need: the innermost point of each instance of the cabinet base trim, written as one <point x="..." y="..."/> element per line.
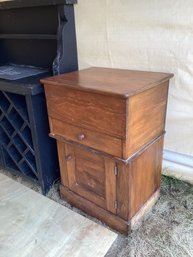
<point x="113" y="221"/>
<point x="145" y="208"/>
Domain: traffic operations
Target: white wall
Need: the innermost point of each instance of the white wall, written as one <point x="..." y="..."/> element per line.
<point x="145" y="35"/>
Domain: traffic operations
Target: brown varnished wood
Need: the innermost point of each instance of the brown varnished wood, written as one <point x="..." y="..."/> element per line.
<point x="144" y="209"/>
<point x="100" y="113"/>
<point x="92" y="177"/>
<point x="90" y="172"/>
<point x="69" y="163"/>
<point x="123" y="197"/>
<point x="84" y="189"/>
<point x="145" y="172"/>
<point x="109" y="125"/>
<point x="110" y="185"/>
<point x="89" y="175"/>
<point x="139" y="179"/>
<point x="109" y="81"/>
<point x="99" y="141"/>
<point x="114" y="125"/>
<point x="92" y="209"/>
<point x="146" y="117"/>
<point x="97" y="152"/>
<point x="63" y="167"/>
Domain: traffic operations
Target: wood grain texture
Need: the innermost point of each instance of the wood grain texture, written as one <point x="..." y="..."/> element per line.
<point x="108" y="123"/>
<point x="63" y="166"/>
<point x="110" y="185"/>
<point x="110" y="219"/>
<point x="110" y="118"/>
<point x="100" y="113"/>
<point x="109" y="81"/>
<point x="145" y="172"/>
<point x="89" y="175"/>
<point x="69" y="163"/>
<point x="146" y="117"/>
<point x="123" y="192"/>
<point x="139" y="179"/>
<point x="88" y="188"/>
<point x="92" y="178"/>
<point x="144" y="209"/>
<point x="33" y="225"/>
<point x="99" y="141"/>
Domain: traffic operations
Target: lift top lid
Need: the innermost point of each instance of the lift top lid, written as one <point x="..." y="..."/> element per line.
<point x="119" y="82"/>
<point x="10" y="4"/>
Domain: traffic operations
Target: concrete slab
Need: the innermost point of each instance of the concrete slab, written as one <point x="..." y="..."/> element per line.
<point x="32" y="225"/>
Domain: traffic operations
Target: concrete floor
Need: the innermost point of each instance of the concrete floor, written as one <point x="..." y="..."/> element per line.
<point x="32" y="225"/>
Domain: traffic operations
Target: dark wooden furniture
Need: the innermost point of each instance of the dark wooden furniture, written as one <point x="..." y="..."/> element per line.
<point x="34" y="35"/>
<point x="109" y="125"/>
<point x="38" y="33"/>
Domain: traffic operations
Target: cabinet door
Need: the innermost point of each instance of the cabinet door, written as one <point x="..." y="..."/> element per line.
<point x="89" y="175"/>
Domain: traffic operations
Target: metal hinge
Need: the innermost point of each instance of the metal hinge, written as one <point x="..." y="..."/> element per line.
<point x="116" y="170"/>
<point x="116" y="205"/>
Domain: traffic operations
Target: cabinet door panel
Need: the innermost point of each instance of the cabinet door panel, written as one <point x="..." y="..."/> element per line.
<point x="89" y="175"/>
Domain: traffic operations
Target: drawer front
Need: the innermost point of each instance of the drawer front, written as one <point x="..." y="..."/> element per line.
<point x="89" y="175"/>
<point x="98" y="141"/>
<point x="100" y="113"/>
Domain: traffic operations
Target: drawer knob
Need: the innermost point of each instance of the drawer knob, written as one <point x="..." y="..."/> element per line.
<point x="68" y="157"/>
<point x="81" y="136"/>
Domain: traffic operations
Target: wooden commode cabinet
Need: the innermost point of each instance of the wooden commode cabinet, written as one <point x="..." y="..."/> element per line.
<point x="109" y="125"/>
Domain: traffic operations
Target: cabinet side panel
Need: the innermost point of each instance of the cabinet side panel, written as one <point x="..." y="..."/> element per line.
<point x="145" y="173"/>
<point x="146" y="117"/>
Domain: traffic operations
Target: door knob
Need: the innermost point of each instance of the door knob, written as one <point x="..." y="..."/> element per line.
<point x="68" y="157"/>
<point x="81" y="136"/>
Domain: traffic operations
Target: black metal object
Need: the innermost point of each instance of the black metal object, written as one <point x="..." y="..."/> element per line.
<point x="39" y="34"/>
<point x="10" y="4"/>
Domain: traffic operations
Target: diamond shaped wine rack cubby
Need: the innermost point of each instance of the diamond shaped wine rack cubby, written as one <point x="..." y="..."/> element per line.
<point x="25" y="146"/>
<point x="15" y="135"/>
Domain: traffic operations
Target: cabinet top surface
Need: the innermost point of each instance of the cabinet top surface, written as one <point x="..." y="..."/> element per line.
<point x="124" y="83"/>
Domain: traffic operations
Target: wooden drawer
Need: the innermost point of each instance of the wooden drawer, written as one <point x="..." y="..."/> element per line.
<point x="99" y="141"/>
<point x="125" y="105"/>
<point x="145" y="118"/>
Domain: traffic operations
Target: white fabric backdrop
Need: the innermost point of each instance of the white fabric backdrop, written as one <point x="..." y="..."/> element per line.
<point x="145" y="35"/>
